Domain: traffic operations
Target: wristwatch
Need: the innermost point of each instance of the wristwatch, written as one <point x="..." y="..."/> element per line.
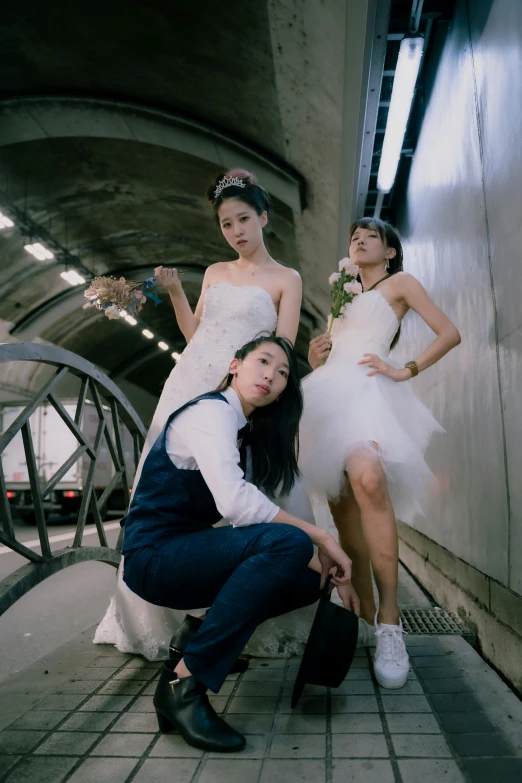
<point x="413" y="367"/>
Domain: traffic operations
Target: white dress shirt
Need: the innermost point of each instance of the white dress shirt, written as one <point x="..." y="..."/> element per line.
<point x="204" y="437"/>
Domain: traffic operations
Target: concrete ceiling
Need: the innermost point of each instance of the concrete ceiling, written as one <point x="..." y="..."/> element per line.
<point x="114" y="116"/>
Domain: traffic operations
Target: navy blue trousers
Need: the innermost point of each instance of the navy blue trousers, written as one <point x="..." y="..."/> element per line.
<point x="246" y="575"/>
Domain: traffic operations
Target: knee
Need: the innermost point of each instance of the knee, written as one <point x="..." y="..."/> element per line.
<point x="370" y="486"/>
<point x="293" y="541"/>
<point x="132" y="575"/>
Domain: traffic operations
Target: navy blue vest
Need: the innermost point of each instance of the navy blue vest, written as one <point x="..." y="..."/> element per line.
<point x="168" y="500"/>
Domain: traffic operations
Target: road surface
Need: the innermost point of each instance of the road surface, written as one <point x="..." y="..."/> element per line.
<point x="60" y="608"/>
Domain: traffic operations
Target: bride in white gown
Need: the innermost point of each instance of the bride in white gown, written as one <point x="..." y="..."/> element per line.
<point x="239" y="300"/>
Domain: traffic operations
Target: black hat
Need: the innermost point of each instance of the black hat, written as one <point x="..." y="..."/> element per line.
<point x="330" y="647"/>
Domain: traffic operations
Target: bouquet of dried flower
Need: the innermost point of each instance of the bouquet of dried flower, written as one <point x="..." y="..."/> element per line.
<point x="119" y="298"/>
<point x="344" y="289"/>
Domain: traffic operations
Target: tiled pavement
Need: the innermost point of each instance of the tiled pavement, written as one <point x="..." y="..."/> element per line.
<point x="99" y="725"/>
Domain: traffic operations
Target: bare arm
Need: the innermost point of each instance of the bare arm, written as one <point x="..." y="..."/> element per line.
<point x="448" y="336"/>
<point x="290" y="307"/>
<point x="346" y="591"/>
<point x="413" y="294"/>
<point x="188" y="321"/>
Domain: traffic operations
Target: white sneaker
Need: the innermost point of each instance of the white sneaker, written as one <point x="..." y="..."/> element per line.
<point x="365" y="634"/>
<point x="391" y="663"/>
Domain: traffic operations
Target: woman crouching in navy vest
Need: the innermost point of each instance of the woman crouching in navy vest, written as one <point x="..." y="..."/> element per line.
<point x="259" y="567"/>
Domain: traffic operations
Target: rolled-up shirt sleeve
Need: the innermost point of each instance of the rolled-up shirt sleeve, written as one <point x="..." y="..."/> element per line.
<point x="209" y="433"/>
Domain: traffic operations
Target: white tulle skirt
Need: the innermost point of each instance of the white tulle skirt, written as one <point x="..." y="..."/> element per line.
<point x="348" y="415"/>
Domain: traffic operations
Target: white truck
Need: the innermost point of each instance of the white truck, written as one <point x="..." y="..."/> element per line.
<point x="53" y="443"/>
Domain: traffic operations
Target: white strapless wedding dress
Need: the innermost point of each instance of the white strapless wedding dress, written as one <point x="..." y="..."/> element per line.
<point x="346" y="412"/>
<point x="232" y="316"/>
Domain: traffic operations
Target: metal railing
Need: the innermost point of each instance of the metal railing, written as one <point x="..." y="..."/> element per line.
<point x="116" y="413"/>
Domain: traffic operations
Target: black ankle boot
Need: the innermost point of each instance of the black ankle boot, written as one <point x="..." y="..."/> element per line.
<point x="183" y="704"/>
<point x="186" y="632"/>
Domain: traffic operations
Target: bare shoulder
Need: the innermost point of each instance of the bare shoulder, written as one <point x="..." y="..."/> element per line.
<point x="404" y="278"/>
<point x="404" y="282"/>
<point x="214" y="270"/>
<point x="289" y="277"/>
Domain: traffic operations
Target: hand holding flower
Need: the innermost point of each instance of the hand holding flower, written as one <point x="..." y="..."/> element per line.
<point x="319" y="350"/>
<point x="168" y="277"/>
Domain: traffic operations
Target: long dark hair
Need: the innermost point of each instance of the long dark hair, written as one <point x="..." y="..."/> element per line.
<point x="391" y="238"/>
<point x="252" y="194"/>
<point x="273" y="431"/>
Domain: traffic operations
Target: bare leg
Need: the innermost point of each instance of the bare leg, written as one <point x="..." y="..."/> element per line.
<point x="379" y="528"/>
<point x="347" y="517"/>
<point x="181" y="670"/>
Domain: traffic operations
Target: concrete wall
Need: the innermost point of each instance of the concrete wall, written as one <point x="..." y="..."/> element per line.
<point x="463" y="236"/>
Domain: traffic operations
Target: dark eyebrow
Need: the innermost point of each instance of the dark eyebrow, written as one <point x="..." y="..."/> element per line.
<point x="271" y="355"/>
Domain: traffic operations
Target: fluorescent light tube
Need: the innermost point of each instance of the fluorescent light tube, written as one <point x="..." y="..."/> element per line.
<point x="8" y="223"/>
<point x="406" y="73"/>
<point x="72" y="277"/>
<point x="34" y="252"/>
<point x="41" y="249"/>
<point x="69" y="278"/>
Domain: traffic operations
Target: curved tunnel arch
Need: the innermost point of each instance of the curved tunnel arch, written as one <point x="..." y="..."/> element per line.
<point x="29" y="119"/>
<point x="35" y="118"/>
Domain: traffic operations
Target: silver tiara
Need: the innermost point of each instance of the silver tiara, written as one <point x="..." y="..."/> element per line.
<point x="226" y="182"/>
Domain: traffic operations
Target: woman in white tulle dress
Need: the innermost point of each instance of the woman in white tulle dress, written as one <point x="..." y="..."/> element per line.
<point x="239" y="300"/>
<point x="364" y="432"/>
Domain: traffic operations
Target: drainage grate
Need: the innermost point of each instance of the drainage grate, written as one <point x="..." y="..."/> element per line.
<point x="429" y="622"/>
